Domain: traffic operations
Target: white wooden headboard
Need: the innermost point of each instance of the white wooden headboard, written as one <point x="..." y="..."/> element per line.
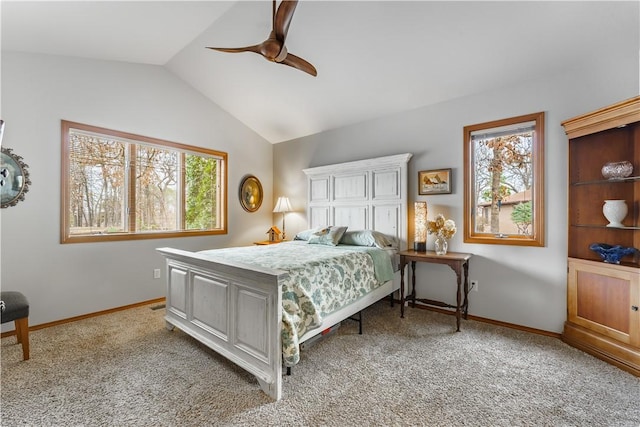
<point x="365" y="194"/>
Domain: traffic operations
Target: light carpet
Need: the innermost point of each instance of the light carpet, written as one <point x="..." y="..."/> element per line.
<point x="126" y="369"/>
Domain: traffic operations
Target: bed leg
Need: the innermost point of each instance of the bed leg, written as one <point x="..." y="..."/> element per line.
<point x="288" y="370"/>
<point x="359" y="320"/>
<point x="169" y="326"/>
<point x="274" y="390"/>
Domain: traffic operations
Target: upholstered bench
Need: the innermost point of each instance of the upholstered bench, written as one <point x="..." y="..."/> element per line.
<point x="15" y="307"/>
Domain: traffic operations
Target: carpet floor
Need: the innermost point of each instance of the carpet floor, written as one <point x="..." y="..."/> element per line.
<point x="126" y="369"/>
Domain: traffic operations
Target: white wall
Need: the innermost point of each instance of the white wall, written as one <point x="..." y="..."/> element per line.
<point x="520" y="285"/>
<point x="63" y="281"/>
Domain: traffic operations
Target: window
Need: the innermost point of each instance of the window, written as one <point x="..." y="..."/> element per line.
<point x="504" y="181"/>
<point x="120" y="186"/>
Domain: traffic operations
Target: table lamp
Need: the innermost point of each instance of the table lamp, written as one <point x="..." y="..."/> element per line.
<point x="283" y="206"/>
<point x="420" y="227"/>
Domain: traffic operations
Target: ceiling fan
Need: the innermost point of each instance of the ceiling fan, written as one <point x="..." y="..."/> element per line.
<point x="273" y="48"/>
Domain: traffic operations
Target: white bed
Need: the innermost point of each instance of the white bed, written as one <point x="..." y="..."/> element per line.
<point x="236" y="308"/>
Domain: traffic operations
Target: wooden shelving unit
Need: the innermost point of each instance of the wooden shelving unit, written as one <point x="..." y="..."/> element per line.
<point x="603" y="316"/>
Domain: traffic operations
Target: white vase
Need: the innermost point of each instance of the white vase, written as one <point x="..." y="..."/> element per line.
<point x="615" y="211"/>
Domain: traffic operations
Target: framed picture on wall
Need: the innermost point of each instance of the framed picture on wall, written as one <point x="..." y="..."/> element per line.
<point x="250" y="193"/>
<point x="436" y="181"/>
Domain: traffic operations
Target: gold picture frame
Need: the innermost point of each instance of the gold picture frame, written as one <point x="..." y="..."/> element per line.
<point x="250" y="193"/>
<point x="435" y="181"/>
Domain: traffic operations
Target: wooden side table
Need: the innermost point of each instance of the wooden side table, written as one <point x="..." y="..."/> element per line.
<point x="459" y="263"/>
<point x="268" y="242"/>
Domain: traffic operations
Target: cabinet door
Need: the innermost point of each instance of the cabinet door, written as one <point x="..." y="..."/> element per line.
<point x="601" y="298"/>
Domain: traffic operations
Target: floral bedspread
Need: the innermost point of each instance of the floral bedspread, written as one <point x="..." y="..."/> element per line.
<point x="321" y="280"/>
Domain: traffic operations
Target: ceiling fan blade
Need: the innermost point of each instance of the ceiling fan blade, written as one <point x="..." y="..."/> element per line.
<point x="273" y="48"/>
<point x="299" y="63"/>
<point x="254" y="48"/>
<point x="283" y="17"/>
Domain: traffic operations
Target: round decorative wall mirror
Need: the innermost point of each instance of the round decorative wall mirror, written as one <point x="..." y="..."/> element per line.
<point x="14" y="178"/>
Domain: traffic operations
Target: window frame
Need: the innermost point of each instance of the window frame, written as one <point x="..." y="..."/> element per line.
<point x="183" y="149"/>
<point x="537" y="238"/>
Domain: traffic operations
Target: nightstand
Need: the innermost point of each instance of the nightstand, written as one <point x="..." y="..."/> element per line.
<point x="458" y="262"/>
<point x="268" y="242"/>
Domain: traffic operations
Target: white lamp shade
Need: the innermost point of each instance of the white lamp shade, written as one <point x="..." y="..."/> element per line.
<point x="282" y="205"/>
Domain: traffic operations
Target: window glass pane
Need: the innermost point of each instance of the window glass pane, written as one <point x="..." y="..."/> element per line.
<point x="504" y="180"/>
<point x="201" y="180"/>
<point x="96" y="184"/>
<point x="156" y="195"/>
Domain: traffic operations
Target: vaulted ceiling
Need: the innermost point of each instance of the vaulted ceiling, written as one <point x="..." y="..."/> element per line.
<point x="374" y="58"/>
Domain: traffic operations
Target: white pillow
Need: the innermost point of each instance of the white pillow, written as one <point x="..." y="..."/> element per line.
<point x="368" y="238"/>
<point x="328" y="236"/>
<point x="305" y="234"/>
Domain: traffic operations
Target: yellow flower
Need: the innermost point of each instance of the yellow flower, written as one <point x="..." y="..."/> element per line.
<point x="445" y="228"/>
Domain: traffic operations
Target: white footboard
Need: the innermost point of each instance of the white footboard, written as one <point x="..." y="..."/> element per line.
<point x="236" y="310"/>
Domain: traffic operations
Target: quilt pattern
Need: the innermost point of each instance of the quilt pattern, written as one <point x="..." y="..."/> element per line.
<point x="321" y="280"/>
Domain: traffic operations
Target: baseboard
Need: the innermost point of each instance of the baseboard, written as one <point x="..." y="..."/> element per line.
<point x="162" y="300"/>
<point x="86" y="316"/>
<point x="604" y="348"/>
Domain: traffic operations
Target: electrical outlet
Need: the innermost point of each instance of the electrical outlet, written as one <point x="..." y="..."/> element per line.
<point x="156" y="273"/>
<point x="474" y="286"/>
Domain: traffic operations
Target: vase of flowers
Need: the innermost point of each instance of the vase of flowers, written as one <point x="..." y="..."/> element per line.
<point x="440" y="245"/>
<point x="443" y="229"/>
